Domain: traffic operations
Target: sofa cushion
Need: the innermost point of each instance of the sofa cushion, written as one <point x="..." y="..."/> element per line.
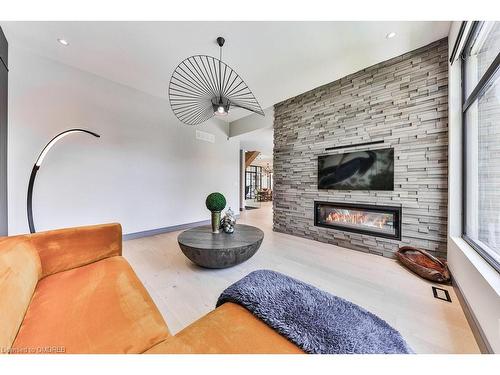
<point x="98" y="308"/>
<point x="63" y="249"/>
<point x="19" y="272"/>
<point x="228" y="329"/>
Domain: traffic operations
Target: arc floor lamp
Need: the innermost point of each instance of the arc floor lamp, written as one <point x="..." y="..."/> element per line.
<point x="37" y="165"/>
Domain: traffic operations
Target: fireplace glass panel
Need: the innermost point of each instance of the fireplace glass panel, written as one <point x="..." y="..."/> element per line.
<point x="376" y="221"/>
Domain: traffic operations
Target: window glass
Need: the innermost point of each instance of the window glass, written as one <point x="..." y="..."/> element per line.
<point x="482" y="164"/>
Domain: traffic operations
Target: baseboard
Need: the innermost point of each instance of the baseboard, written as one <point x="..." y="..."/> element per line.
<point x="174" y="228"/>
<point x="478" y="333"/>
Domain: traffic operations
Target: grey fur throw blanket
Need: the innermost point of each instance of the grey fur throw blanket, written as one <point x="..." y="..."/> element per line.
<point x="314" y="320"/>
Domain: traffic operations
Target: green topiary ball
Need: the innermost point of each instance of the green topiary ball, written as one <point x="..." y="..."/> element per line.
<point x="215" y="202"/>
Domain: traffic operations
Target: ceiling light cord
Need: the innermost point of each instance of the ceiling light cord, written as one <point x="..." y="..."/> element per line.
<point x="220" y="73"/>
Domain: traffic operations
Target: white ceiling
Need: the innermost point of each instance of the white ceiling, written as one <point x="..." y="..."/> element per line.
<point x="277" y="60"/>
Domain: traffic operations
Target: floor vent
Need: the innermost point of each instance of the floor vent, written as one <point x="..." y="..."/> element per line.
<point x="441" y="294"/>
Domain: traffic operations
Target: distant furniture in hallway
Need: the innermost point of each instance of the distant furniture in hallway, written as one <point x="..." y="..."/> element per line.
<point x="264" y="195"/>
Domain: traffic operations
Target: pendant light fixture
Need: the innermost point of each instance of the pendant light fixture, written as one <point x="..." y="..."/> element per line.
<point x="203" y="86"/>
<point x="268" y="169"/>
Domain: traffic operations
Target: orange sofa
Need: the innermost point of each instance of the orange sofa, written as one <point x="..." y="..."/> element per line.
<point x="71" y="291"/>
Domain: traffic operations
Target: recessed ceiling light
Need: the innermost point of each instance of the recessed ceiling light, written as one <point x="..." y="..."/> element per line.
<point x="392" y="34"/>
<point x="64" y="42"/>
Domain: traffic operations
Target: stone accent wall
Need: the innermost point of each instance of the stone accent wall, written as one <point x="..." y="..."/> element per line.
<point x="403" y="101"/>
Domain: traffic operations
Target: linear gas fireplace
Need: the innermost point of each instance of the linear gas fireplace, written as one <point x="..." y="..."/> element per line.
<point x="380" y="221"/>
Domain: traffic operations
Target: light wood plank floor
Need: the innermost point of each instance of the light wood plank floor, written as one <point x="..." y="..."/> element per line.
<point x="184" y="292"/>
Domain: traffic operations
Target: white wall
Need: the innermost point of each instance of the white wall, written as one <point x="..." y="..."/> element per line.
<point x="478" y="281"/>
<point x="147" y="170"/>
<point x="252" y="122"/>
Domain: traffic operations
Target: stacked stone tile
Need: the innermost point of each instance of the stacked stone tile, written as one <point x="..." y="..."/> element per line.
<point x="402" y="101"/>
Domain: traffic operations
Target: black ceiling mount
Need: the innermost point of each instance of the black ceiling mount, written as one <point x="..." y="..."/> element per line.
<point x="220" y="41"/>
<point x="203" y="86"/>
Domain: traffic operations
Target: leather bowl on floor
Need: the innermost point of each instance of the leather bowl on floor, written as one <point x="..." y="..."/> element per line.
<point x="424" y="264"/>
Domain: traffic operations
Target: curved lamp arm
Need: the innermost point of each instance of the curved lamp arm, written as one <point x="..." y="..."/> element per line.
<point x="37" y="165"/>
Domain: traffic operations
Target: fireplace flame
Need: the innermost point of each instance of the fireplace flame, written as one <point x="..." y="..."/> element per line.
<point x="357" y="218"/>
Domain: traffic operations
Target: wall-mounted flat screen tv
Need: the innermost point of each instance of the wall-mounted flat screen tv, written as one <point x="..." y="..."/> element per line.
<point x="359" y="170"/>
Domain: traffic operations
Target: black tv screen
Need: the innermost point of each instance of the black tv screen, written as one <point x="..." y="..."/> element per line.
<point x="359" y="170"/>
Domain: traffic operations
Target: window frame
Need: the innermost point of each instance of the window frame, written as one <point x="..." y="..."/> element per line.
<point x="256" y="171"/>
<point x="482" y="85"/>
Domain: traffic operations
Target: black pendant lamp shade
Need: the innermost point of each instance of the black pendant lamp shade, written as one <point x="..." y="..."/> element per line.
<point x="203" y="86"/>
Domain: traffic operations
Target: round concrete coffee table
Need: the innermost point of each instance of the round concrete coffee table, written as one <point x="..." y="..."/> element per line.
<point x="220" y="250"/>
